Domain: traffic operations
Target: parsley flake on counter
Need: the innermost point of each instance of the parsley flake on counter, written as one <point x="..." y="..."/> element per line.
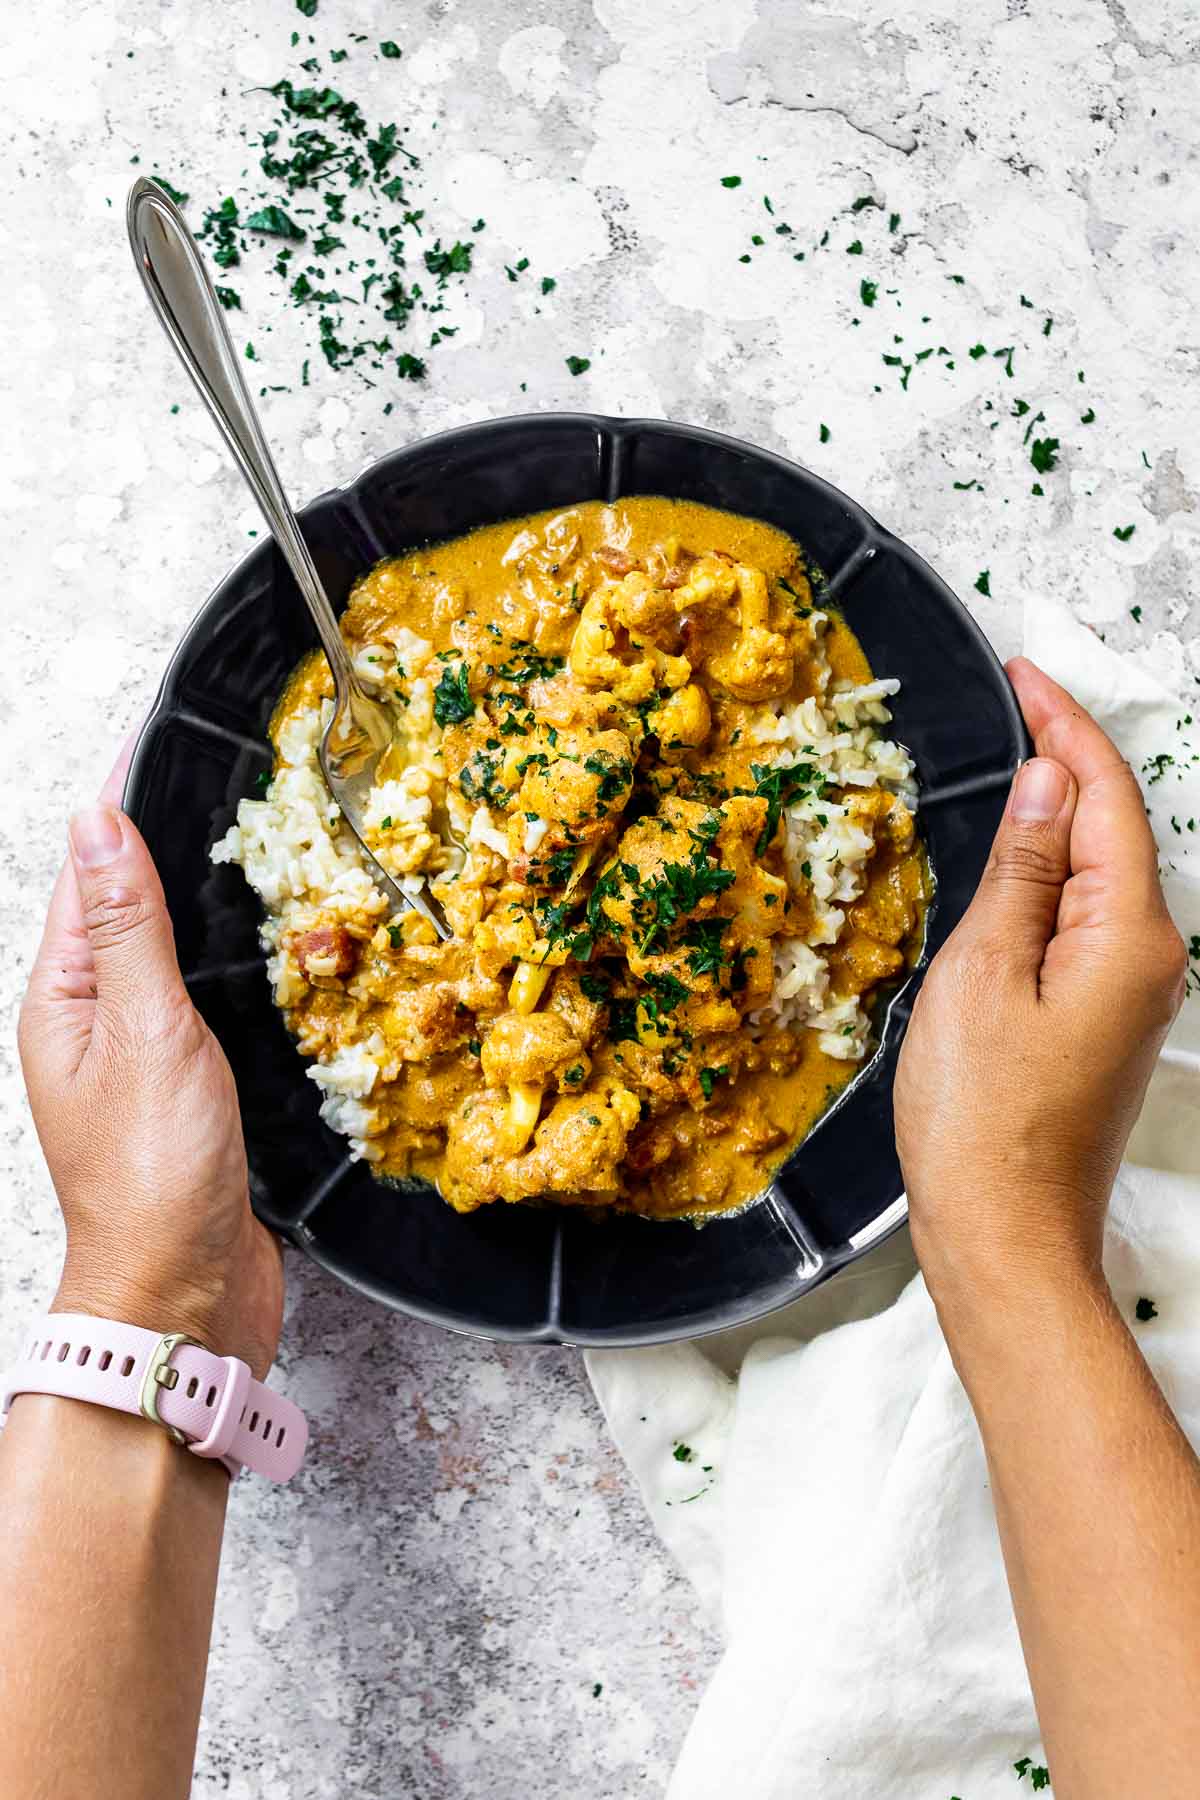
<point x="272" y="221"/>
<point x="854" y="249"/>
<point x="307" y="7"/>
<point x="169" y="188"/>
<point x="548" y="284"/>
<point x="390" y="49"/>
<point x="597" y="1689"/>
<point x="228" y="297"/>
<point x="1145" y="1310"/>
<point x="683" y="1453"/>
<point x="1039" y="1775"/>
<point x="983" y="582"/>
<point x="824" y="434"/>
<point x="321" y="145"/>
<point x="731" y="181"/>
<point x="578" y="365"/>
<point x="1135" y="613"/>
<point x="1124" y="532"/>
<point x="867" y="290"/>
<point x="1043" y="454"/>
<point x="1089" y="417"/>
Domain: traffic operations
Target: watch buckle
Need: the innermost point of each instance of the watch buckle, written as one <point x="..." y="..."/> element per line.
<point x="160" y="1374"/>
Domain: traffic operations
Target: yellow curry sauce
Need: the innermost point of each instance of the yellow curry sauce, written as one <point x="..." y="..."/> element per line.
<point x="599" y="678"/>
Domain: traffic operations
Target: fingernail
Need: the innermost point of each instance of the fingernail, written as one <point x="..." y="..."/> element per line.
<point x="95" y="836"/>
<point x="1040" y="792"/>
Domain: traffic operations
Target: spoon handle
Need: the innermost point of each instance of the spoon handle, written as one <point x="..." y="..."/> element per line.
<point x="181" y="293"/>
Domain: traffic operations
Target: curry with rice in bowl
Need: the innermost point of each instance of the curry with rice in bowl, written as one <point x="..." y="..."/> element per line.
<point x="647" y="778"/>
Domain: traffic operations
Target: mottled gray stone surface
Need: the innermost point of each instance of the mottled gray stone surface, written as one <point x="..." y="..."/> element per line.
<point x="428" y="1609"/>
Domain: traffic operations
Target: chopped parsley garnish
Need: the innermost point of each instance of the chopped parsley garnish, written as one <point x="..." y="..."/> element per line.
<point x="824" y="435"/>
<point x="262" y="780"/>
<point x="574" y="1074"/>
<point x="710" y="1077"/>
<point x="579" y="365"/>
<point x="525" y="663"/>
<point x="778" y="787"/>
<point x="703" y="939"/>
<point x="1145" y="1310"/>
<point x="677" y="891"/>
<point x="983" y="582"/>
<point x="1124" y="532"/>
<point x="683" y="1453"/>
<point x="622" y="1020"/>
<point x="390" y="49"/>
<point x="867" y="291"/>
<point x="595" y="986"/>
<point x="1039" y="1775"/>
<point x="452" y="702"/>
<point x="479" y="778"/>
<point x="669" y="992"/>
<point x="615" y="776"/>
<point x="731" y="181"/>
<point x="396" y="936"/>
<point x="559" y="864"/>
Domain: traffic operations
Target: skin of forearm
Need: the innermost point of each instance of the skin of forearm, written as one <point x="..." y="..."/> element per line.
<point x="108" y="1570"/>
<point x="1097" y="1497"/>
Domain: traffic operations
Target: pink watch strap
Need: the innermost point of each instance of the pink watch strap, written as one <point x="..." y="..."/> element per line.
<point x="210" y="1403"/>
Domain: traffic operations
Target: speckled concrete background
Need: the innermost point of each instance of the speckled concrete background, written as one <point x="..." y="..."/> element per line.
<point x="430" y="1609"/>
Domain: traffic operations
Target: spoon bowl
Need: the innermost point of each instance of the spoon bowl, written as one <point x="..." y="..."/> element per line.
<point x="181" y="293"/>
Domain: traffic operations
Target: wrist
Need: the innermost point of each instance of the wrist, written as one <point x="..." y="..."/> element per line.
<point x="1008" y="1312"/>
<point x="1006" y="1244"/>
<point x="139" y="1460"/>
<point x="161" y="1302"/>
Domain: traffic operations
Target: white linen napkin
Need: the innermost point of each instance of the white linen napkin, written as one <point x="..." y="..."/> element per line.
<point x="831" y="1502"/>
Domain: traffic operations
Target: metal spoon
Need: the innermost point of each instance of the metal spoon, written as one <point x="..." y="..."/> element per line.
<point x="177" y="283"/>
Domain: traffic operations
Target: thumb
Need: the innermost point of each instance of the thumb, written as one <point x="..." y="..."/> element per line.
<point x="125" y="916"/>
<point x="1017" y="899"/>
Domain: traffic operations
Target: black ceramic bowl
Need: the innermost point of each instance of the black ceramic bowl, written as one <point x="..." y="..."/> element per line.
<point x="519" y="1272"/>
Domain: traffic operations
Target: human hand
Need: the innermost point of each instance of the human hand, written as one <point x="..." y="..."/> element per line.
<point x="137" y="1112"/>
<point x="1039" y="1022"/>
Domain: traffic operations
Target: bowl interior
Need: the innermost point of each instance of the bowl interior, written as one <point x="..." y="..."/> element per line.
<point x="521" y="1272"/>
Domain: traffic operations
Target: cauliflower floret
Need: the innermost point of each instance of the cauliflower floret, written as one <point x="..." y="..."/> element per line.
<point x="594" y="657"/>
<point x="531" y="1047"/>
<point x="576" y="1150"/>
<point x="579" y="784"/>
<point x="760" y="663"/>
<point x="682" y="722"/>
